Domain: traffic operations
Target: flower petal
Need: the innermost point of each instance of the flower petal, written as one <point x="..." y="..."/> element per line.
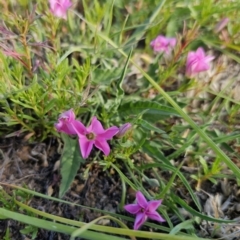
<point x="209" y="58"/>
<point x="85" y="145"/>
<point x="132" y="208"/>
<point x="162" y="40"/>
<point x="199" y="67"/>
<point x="200" y="53"/>
<point x="68" y="115"/>
<point x="79" y="127"/>
<point x="66" y="122"/>
<point x="141" y="200"/>
<point x="109" y="133"/>
<point x="52" y="3"/>
<point x="153" y="205"/>
<point x="59" y="7"/>
<point x="172" y="42"/>
<point x="59" y="12"/>
<point x="155" y="216"/>
<point x="66" y="4"/>
<point x="102" y="144"/>
<point x="64" y="126"/>
<point x="163" y="44"/>
<point x="95" y="126"/>
<point x="140" y="219"/>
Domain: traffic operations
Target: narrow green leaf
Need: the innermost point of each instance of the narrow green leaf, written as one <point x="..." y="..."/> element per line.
<point x="196" y="213"/>
<point x="109" y="17"/>
<point x="53" y="226"/>
<point x="56" y="218"/>
<point x="84" y="228"/>
<point x="57" y="227"/>
<point x="22" y="104"/>
<point x="155" y="153"/>
<point x="154" y="111"/>
<point x="70" y="163"/>
<point x="165" y="164"/>
<point x="145" y="124"/>
<point x="188" y="224"/>
<point x="78" y="48"/>
<point x="183" y="148"/>
<point x="123" y="176"/>
<point x="28" y="117"/>
<point x="204" y="164"/>
<point x="170" y="182"/>
<point x="140" y="31"/>
<point x="230" y="137"/>
<point x="51" y="104"/>
<point x="119" y="83"/>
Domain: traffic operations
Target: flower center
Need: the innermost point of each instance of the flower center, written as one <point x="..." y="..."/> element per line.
<point x="90" y="136"/>
<point x="142" y="210"/>
<point x="65" y="119"/>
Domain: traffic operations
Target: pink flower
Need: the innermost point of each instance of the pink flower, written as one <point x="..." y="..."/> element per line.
<point x="59" y="7"/>
<point x="144" y="210"/>
<point x="123" y="130"/>
<point x="197" y="62"/>
<point x="94" y="134"/>
<point x="163" y="44"/>
<point x="67" y="123"/>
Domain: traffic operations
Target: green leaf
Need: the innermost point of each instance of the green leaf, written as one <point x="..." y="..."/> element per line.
<point x="24" y="116"/>
<point x="153" y="110"/>
<point x="196" y="213"/>
<point x="214" y="181"/>
<point x="172" y="27"/>
<point x="188" y="224"/>
<point x="145" y="124"/>
<point x="70" y="163"/>
<point x="53" y="226"/>
<point x="165" y="164"/>
<point x="50" y="105"/>
<point x="119" y="83"/>
<point x="227" y="138"/>
<point x="140" y="31"/>
<point x="21" y="103"/>
<point x="140" y="138"/>
<point x="204" y="164"/>
<point x="7" y="234"/>
<point x="170" y="182"/>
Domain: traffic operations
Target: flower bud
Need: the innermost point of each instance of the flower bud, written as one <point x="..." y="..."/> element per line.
<point x="123" y="129"/>
<point x="220" y="25"/>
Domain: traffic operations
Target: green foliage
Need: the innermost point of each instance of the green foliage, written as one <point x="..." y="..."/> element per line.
<point x="152" y="111"/>
<point x="208" y="173"/>
<point x="70" y="162"/>
<point x="48" y="66"/>
<point x="7" y="235"/>
<point x="30" y="230"/>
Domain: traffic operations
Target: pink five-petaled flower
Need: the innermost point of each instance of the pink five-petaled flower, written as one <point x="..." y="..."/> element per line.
<point x="197" y="62"/>
<point x="144" y="210"/>
<point x="59" y="7"/>
<point x="88" y="136"/>
<point x="96" y="135"/>
<point x="163" y="44"/>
